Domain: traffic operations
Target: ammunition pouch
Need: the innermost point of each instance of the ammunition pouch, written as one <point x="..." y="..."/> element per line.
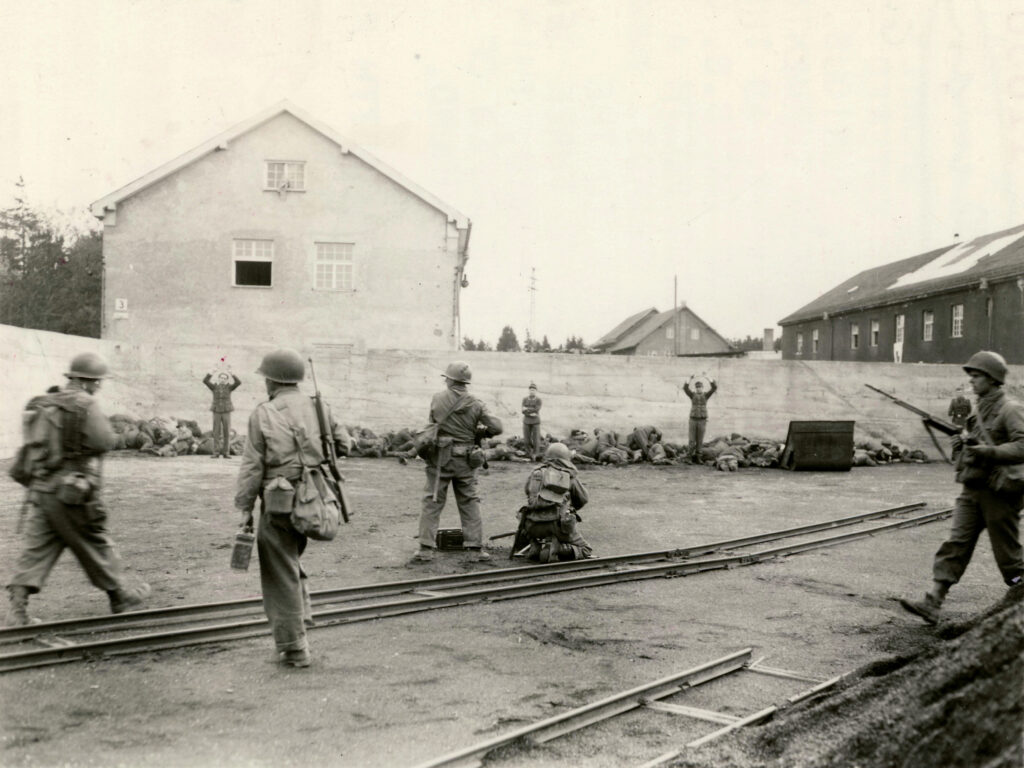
<point x="279" y="496"/>
<point x="476" y="458"/>
<point x="74" y="489"/>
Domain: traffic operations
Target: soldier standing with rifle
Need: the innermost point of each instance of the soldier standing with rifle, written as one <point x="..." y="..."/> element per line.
<point x="284" y="435"/>
<point x="461" y="419"/>
<point x="995" y="439"/>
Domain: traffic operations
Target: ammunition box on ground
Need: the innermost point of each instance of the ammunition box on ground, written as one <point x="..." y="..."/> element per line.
<point x="449" y="539"/>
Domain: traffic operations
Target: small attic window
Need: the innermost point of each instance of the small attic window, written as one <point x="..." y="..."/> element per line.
<point x="851" y="290"/>
<point x="285" y="176"/>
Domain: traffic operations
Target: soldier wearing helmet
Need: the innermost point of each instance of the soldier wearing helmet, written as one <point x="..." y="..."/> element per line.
<point x="547" y="522"/>
<point x="283" y="437"/>
<point x="66" y="437"/>
<point x="462" y="421"/>
<point x="995" y="436"/>
<point x="221" y="408"/>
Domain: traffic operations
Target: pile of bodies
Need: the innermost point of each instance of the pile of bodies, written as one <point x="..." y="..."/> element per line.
<point x="162" y="436"/>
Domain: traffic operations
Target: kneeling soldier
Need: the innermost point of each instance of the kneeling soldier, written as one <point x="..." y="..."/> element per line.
<point x="553" y="494"/>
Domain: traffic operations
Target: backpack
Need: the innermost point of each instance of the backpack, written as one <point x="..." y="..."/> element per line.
<point x="548" y="487"/>
<point x="42" y="446"/>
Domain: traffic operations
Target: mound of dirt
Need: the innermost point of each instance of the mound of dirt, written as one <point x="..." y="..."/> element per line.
<point x="955" y="702"/>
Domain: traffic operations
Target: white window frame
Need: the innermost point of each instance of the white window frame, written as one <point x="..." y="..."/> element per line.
<point x="287" y="176"/>
<point x="800" y="344"/>
<point x="927" y="325"/>
<point x="901" y="326"/>
<point x="320" y="260"/>
<point x="670" y="331"/>
<point x="261" y="250"/>
<point x="875" y="332"/>
<point x="695" y="334"/>
<point x="854" y="335"/>
<point x="956" y="330"/>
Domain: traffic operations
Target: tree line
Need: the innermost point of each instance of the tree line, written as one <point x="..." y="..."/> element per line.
<point x="51" y="275"/>
<point x="509" y="342"/>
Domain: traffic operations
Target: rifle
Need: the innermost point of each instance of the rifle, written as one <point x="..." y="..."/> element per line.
<point x="930" y="422"/>
<point x="327" y="443"/>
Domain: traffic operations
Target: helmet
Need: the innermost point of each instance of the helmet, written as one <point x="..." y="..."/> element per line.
<point x="458" y="371"/>
<point x="285" y="366"/>
<point x="87" y="365"/>
<point x="558" y="451"/>
<point x="991" y="363"/>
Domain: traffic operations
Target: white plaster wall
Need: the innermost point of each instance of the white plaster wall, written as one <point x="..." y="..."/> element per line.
<point x="388" y="389"/>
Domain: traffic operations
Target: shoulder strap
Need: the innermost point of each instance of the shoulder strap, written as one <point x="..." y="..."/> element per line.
<point x="454" y="407"/>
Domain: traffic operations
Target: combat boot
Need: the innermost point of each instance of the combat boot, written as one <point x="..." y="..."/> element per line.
<point x="928" y="608"/>
<point x="296" y="658"/>
<point x="128" y="598"/>
<point x="17" y="611"/>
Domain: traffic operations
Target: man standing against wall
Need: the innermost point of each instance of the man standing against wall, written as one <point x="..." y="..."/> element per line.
<point x="454" y="459"/>
<point x="222" y="409"/>
<point x="531" y="422"/>
<point x="698" y="414"/>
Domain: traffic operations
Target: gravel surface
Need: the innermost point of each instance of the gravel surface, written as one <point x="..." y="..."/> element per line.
<point x="399" y="691"/>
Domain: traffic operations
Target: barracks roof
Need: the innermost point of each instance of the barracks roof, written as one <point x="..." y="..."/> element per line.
<point x="220" y="141"/>
<point x="994" y="256"/>
<point x="623" y="328"/>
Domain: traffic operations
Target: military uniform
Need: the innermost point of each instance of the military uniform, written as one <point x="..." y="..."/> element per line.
<point x="53" y="525"/>
<point x="698" y="417"/>
<point x="277" y="429"/>
<point x="450" y="463"/>
<point x="531" y="422"/>
<point x="995" y="437"/>
<point x="551" y="517"/>
<point x="222" y="409"/>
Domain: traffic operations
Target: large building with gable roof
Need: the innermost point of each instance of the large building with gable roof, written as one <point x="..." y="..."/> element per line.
<point x="937" y="307"/>
<point x="280" y="231"/>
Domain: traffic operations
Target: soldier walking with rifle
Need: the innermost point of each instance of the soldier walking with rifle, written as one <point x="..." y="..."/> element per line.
<point x="461" y="419"/>
<point x="285" y="435"/>
<point x="990" y="466"/>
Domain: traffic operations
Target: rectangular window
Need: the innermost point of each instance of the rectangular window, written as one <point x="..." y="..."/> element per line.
<point x="334" y="266"/>
<point x="958" y="321"/>
<point x="814" y="341"/>
<point x="286" y="175"/>
<point x="695" y="334"/>
<point x="874" y="333"/>
<point x="799" y="343"/>
<point x="927" y="325"/>
<point x="854" y="335"/>
<point x="253" y="263"/>
<point x="670" y="332"/>
<point x="900" y="325"/>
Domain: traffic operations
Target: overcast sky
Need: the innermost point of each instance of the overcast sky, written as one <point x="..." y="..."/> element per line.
<point x="760" y="151"/>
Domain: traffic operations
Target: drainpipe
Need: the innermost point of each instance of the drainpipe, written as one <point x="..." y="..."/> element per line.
<point x="460" y="282"/>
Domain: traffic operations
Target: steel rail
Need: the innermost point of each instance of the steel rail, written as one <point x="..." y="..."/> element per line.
<point x="154" y="616"/>
<point x="606" y="708"/>
<point x="224" y="632"/>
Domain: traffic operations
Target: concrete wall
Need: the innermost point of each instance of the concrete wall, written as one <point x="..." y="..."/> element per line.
<point x="386" y="389"/>
<point x="168" y="252"/>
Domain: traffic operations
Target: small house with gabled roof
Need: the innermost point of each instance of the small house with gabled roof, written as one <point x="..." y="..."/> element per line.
<point x="936" y="307"/>
<point x="281" y="231"/>
<point x="676" y="333"/>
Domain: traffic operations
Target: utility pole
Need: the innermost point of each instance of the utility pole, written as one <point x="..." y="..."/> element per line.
<point x="533" y="303"/>
<point x="675" y="315"/>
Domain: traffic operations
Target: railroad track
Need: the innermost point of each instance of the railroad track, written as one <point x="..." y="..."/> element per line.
<point x="71" y="640"/>
<point x="646" y="698"/>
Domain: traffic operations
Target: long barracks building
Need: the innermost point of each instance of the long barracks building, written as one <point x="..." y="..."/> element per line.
<point x="938" y="307"/>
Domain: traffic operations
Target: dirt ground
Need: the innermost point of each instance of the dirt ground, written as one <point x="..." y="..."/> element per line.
<point x="399" y="691"/>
